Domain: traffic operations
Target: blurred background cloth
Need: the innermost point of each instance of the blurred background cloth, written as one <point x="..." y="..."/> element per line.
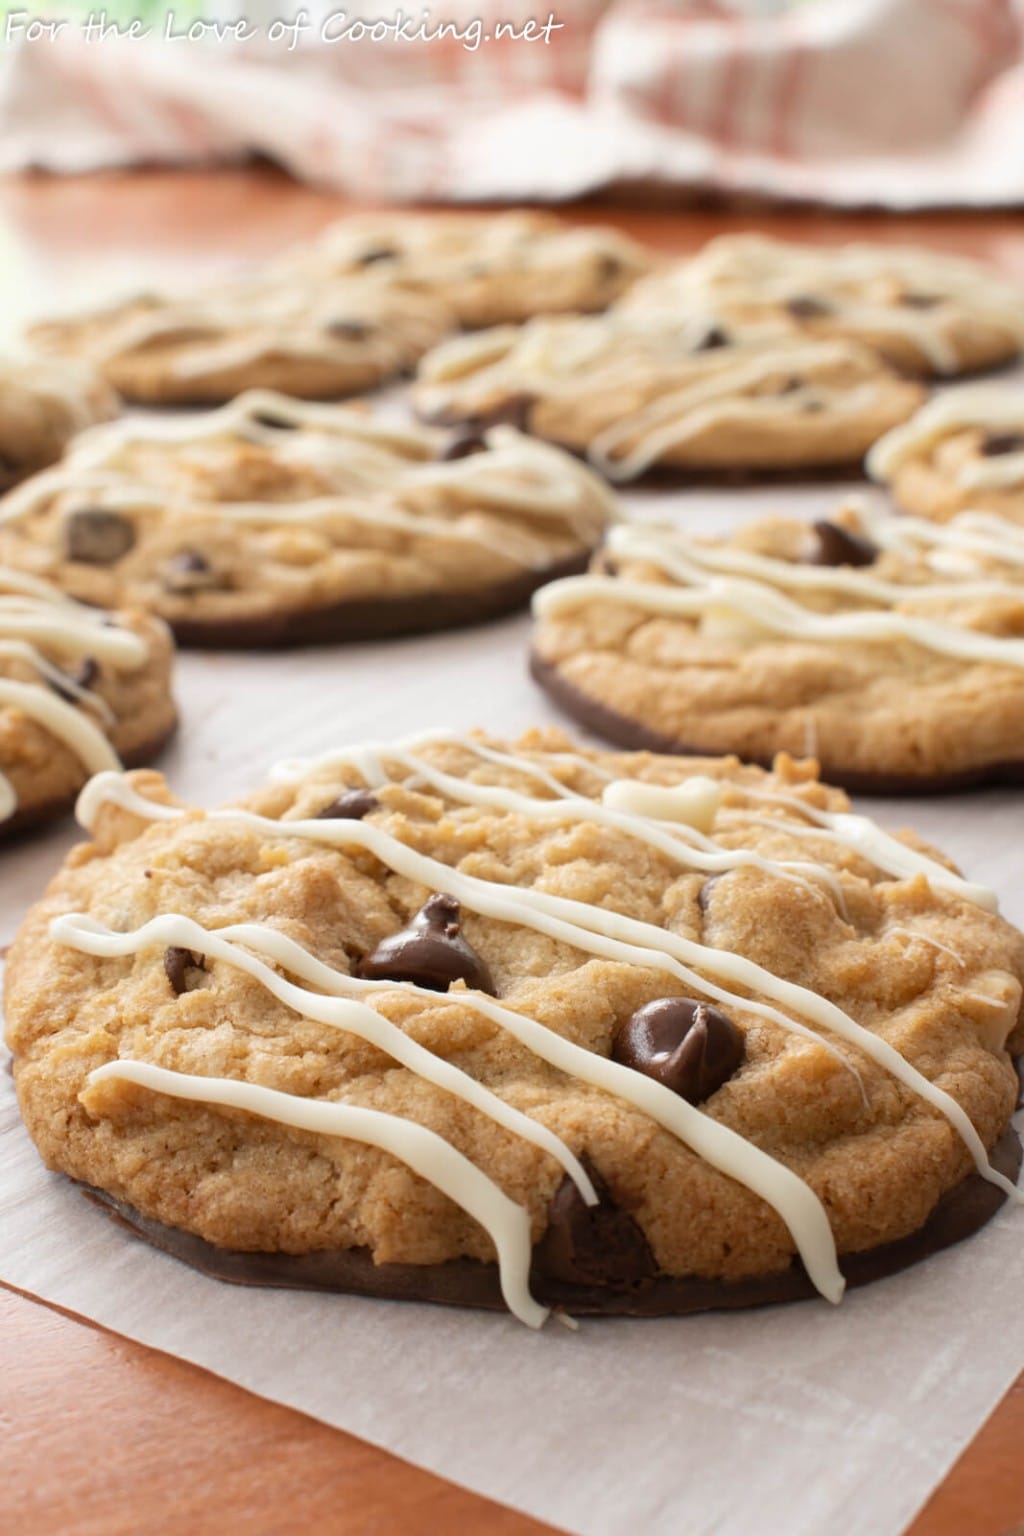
<point x="897" y="103"/>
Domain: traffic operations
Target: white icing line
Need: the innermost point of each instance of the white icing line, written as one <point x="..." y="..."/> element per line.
<point x="979" y="405"/>
<point x="778" y="615"/>
<point x="507" y="1224"/>
<point x="614" y="936"/>
<point x="339" y="1011"/>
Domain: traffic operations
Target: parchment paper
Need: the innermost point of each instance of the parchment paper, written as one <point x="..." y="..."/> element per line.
<point x="800" y="1421"/>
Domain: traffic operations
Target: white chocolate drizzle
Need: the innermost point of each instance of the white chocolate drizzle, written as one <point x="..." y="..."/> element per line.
<point x="422" y="1150"/>
<point x="377" y="474"/>
<point x="743" y="610"/>
<point x="751" y="274"/>
<point x="978" y="407"/>
<point x="621" y="351"/>
<point x="34" y="616"/>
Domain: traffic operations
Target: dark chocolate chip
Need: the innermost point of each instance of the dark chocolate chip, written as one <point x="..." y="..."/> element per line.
<point x="995" y="443"/>
<point x="466" y="441"/>
<point x="349" y="330"/>
<point x="97" y="537"/>
<point x="514" y="411"/>
<point x="184" y="969"/>
<point x="805" y="306"/>
<point x="681" y="1042"/>
<point x="920" y="300"/>
<point x="714" y="336"/>
<point x="84" y="675"/>
<point x="838" y="546"/>
<point x="270" y="419"/>
<point x="353" y="805"/>
<point x="188" y="571"/>
<point x="378" y="253"/>
<point x="430" y="951"/>
<point x="592" y="1244"/>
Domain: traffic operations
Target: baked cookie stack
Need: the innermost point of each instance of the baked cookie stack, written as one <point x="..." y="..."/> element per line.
<point x="530" y="1024"/>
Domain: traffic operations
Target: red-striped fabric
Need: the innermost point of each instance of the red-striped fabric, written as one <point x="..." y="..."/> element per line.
<point x="903" y="103"/>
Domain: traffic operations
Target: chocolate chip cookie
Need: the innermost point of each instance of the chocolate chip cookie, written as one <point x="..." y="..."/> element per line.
<point x="927" y="312"/>
<point x="487" y="268"/>
<point x="890" y="649"/>
<point x="275" y="521"/>
<point x="43" y="403"/>
<point x="314" y="339"/>
<point x="633" y="392"/>
<point x="455" y="1021"/>
<point x="80" y="692"/>
<point x="963" y="450"/>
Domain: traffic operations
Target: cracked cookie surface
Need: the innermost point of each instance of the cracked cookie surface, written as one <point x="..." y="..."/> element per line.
<point x="251" y="1025"/>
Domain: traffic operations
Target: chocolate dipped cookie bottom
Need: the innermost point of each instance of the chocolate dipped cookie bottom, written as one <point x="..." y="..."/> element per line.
<point x="632" y="1292"/>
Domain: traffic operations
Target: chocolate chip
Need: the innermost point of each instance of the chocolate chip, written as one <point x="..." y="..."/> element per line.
<point x="608" y="266"/>
<point x="353" y="805"/>
<point x="184" y="969"/>
<point x="378" y="253"/>
<point x="805" y="306"/>
<point x="995" y="443"/>
<point x="513" y="411"/>
<point x="681" y="1042"/>
<point x="188" y="571"/>
<point x="592" y="1244"/>
<point x="466" y="441"/>
<point x="348" y="330"/>
<point x="430" y="951"/>
<point x="714" y="336"/>
<point x="84" y="675"/>
<point x="920" y="300"/>
<point x="96" y="537"/>
<point x="269" y="419"/>
<point x="838" y="546"/>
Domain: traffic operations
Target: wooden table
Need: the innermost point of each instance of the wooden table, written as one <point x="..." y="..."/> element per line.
<point x="106" y="1438"/>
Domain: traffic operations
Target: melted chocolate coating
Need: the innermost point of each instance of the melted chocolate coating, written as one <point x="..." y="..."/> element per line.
<point x="597" y="1245"/>
<point x="94" y="536"/>
<point x="353" y="805"/>
<point x="431" y="951"/>
<point x="638" y="737"/>
<point x="184" y="969"/>
<point x="996" y="443"/>
<point x="683" y="1043"/>
<point x="838" y="546"/>
<point x="468" y="1283"/>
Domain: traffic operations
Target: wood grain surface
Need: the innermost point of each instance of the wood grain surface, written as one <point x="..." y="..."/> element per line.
<point x="103" y="1437"/>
